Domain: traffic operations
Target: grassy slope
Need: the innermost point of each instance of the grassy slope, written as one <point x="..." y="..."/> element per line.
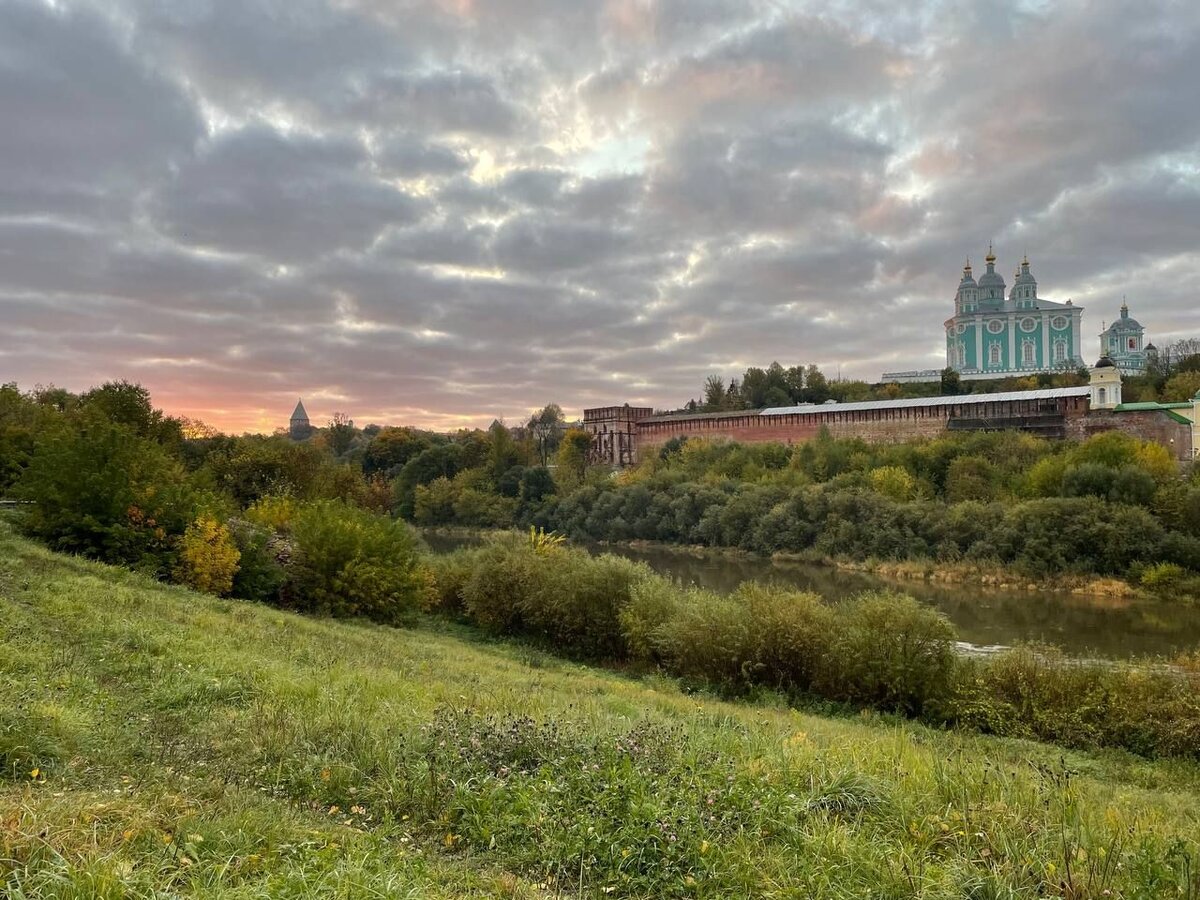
<point x="192" y="745"/>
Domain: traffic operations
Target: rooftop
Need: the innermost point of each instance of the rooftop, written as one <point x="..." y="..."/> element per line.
<point x="907" y="403"/>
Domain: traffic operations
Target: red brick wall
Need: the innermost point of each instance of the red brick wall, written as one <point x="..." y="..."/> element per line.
<point x="903" y="424"/>
<point x="1148" y="425"/>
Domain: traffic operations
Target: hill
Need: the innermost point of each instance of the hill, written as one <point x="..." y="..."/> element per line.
<point x="157" y="742"/>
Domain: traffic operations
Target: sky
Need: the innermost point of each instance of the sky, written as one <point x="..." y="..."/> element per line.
<point x="441" y="212"/>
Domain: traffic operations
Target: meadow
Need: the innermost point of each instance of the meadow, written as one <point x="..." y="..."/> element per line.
<point x="159" y="742"/>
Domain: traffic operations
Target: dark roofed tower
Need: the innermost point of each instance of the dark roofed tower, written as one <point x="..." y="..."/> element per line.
<point x="299" y="427"/>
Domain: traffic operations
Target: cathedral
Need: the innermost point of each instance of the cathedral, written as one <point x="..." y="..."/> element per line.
<point x="1123" y="343"/>
<point x="997" y="332"/>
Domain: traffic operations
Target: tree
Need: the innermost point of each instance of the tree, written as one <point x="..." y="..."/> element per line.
<point x="391" y="448"/>
<point x="714" y="393"/>
<point x="572" y="457"/>
<point x="341" y="433"/>
<point x="126" y="403"/>
<point x="442" y="460"/>
<point x="546" y="427"/>
<point x="103" y="491"/>
<point x="536" y="485"/>
<point x="951" y="382"/>
<point x="503" y="453"/>
<point x="816" y="386"/>
<point x="1181" y="387"/>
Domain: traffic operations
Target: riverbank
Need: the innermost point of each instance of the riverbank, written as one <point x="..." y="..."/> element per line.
<point x="159" y="741"/>
<point x="992" y="577"/>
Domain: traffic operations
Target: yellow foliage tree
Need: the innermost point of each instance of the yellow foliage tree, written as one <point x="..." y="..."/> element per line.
<point x="208" y="558"/>
<point x="894" y="482"/>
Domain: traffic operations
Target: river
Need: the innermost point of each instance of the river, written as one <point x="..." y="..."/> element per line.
<point x="1081" y="625"/>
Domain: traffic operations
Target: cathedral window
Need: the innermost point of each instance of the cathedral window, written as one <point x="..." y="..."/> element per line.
<point x="1028" y="324"/>
<point x="994" y="354"/>
<point x="1060" y="351"/>
<point x="1027" y="353"/>
<point x="1058" y="323"/>
<point x="995" y="326"/>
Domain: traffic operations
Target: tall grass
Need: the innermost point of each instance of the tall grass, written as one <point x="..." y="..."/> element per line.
<point x="185" y="745"/>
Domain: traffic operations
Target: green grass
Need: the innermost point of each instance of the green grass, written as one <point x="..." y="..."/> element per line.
<point x="191" y="746"/>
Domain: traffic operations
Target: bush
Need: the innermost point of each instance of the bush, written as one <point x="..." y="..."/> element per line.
<point x="653" y="602"/>
<point x="208" y="557"/>
<point x="893" y="482"/>
<point x="259" y="574"/>
<point x="576" y="601"/>
<point x="503" y="577"/>
<point x="1038" y="693"/>
<point x="890" y="651"/>
<point x="791" y="631"/>
<point x="351" y="562"/>
<point x="709" y="639"/>
<point x="551" y="592"/>
<point x="104" y="492"/>
<point x="450" y="572"/>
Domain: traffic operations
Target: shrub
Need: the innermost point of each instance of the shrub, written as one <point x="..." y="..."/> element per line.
<point x="891" y="652"/>
<point x="104" y="492"/>
<point x="208" y="557"/>
<point x="351" y="562"/>
<point x="433" y="503"/>
<point x="449" y="572"/>
<point x="893" y="482"/>
<point x="1037" y="692"/>
<point x="259" y="574"/>
<point x="709" y="639"/>
<point x="576" y="600"/>
<point x="791" y="631"/>
<point x="274" y="512"/>
<point x="1162" y="576"/>
<point x="653" y="602"/>
<point x="494" y="593"/>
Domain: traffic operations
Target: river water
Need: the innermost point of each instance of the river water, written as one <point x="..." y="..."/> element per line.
<point x="1081" y="625"/>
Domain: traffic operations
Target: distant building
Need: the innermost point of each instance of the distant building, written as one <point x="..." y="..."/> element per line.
<point x="994" y="334"/>
<point x="299" y="428"/>
<point x="1124" y="343"/>
<point x="1001" y="332"/>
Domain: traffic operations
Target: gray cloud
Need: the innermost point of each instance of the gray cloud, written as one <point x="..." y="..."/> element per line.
<point x="443" y="212"/>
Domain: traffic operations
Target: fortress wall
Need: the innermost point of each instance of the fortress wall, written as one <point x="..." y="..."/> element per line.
<point x="1148" y="425"/>
<point x="887" y="425"/>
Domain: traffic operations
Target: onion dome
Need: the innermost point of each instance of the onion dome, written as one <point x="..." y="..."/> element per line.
<point x="991" y="278"/>
<point x="1104" y="363"/>
<point x="967" y="279"/>
<point x="1024" y="276"/>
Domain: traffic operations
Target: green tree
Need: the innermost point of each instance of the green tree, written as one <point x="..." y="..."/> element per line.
<point x="714" y="393"/>
<point x="572" y="456"/>
<point x="128" y="404"/>
<point x="391" y="448"/>
<point x="340" y="433"/>
<point x="1181" y="387"/>
<point x="951" y="382"/>
<point x="546" y="427"/>
<point x="816" y="386"/>
<point x="101" y="490"/>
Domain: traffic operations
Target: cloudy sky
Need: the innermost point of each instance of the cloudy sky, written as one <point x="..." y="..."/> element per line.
<point x="443" y="211"/>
